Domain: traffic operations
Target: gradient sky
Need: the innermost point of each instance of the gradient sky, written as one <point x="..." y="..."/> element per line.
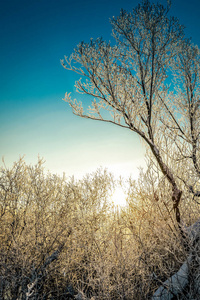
<point x="35" y="35"/>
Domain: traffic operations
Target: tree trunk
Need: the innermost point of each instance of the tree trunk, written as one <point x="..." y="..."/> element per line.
<point x="177" y="283"/>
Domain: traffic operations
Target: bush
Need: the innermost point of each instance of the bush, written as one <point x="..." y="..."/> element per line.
<point x="63" y="239"/>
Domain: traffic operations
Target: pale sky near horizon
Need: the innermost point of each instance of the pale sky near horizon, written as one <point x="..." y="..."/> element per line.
<point x="34" y="120"/>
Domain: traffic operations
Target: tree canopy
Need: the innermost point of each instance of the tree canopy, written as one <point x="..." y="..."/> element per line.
<point x="147" y="81"/>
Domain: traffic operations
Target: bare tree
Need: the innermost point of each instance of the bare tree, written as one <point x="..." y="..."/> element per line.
<point x="148" y="82"/>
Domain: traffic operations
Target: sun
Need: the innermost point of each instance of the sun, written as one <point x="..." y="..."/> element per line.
<point x="119" y="197"/>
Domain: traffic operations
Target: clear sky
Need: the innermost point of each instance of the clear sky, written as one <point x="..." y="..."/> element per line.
<point x="35" y="35"/>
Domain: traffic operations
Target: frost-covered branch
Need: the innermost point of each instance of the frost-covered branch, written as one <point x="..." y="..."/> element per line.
<point x="129" y="82"/>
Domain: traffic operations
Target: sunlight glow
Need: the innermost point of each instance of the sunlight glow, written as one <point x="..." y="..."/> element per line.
<point x="119" y="197"/>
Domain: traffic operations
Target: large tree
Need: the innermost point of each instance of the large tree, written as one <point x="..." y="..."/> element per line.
<point x="147" y="81"/>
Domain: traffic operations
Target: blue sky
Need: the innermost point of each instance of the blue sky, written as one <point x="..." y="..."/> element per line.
<point x="34" y="120"/>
